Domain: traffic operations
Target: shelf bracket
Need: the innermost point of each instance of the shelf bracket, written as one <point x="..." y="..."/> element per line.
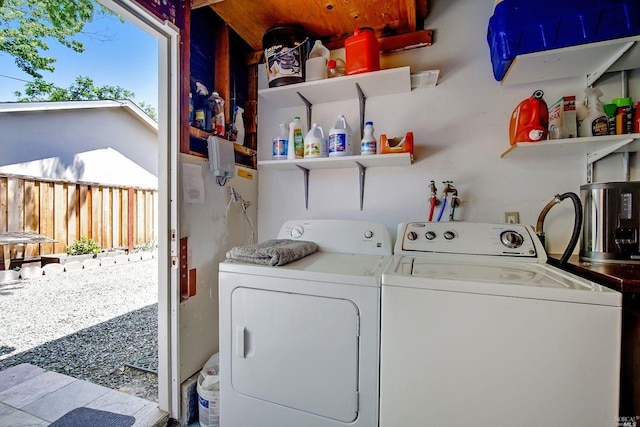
<point x="309" y="107"/>
<point x="598" y="72"/>
<point x="605" y="151"/>
<point x="600" y="154"/>
<point x="363" y="102"/>
<point x="305" y="171"/>
<point x="362" y="170"/>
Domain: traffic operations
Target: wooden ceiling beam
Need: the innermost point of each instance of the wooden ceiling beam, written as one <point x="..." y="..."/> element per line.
<point x="197" y="4"/>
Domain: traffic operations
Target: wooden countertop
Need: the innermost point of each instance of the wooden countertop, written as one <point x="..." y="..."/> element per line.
<point x="624" y="278"/>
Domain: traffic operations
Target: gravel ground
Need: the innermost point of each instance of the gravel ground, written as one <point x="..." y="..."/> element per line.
<point x="86" y="324"/>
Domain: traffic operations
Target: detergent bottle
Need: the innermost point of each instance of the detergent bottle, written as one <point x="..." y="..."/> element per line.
<point x="596" y="123"/>
<point x="314" y="142"/>
<point x="295" y="148"/>
<point x="529" y="120"/>
<point x="340" y="138"/>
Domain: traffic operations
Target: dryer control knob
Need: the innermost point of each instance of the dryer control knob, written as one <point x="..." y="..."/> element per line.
<point x="511" y="239"/>
<point x="297" y="231"/>
<point x="368" y="234"/>
<point x="449" y="235"/>
<point x="412" y="235"/>
<point x="430" y="235"/>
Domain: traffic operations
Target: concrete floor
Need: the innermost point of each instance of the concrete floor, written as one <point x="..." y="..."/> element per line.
<point x="31" y="396"/>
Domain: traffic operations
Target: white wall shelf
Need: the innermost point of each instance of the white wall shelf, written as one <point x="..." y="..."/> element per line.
<point x="376" y="83"/>
<point x="360" y="162"/>
<point x="590" y="60"/>
<point x="400" y="159"/>
<point x="595" y="147"/>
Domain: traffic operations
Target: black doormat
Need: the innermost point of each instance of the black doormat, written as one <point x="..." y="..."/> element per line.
<point x="85" y="417"/>
<point x="147" y="363"/>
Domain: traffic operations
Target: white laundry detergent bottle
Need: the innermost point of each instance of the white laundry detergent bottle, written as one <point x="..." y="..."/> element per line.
<point x="280" y="143"/>
<point x="238" y="125"/>
<point x="316" y="64"/>
<point x="315" y="143"/>
<point x="340" y="138"/>
<point x="208" y="388"/>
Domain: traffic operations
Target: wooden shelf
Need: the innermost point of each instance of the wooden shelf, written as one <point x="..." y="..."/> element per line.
<point x="596" y="147"/>
<point x="592" y="60"/>
<point x="383" y="82"/>
<point x="368" y="161"/>
<point x="239" y="149"/>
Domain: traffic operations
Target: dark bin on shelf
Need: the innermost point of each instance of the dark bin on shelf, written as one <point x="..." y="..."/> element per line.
<point x="525" y="26"/>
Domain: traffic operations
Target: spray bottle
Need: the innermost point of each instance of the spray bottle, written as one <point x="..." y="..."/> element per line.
<point x="238" y="125"/>
<point x="217" y="104"/>
<point x="595" y="124"/>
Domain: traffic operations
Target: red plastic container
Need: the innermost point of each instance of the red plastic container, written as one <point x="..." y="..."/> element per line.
<point x="362" y="51"/>
<point x="530" y="120"/>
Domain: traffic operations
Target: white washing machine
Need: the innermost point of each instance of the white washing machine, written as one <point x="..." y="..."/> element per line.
<point x="299" y="344"/>
<point x="477" y="330"/>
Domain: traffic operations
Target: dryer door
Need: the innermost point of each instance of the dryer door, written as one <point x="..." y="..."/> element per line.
<point x="295" y="350"/>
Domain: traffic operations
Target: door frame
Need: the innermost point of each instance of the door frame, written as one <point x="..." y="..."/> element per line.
<point x="168" y="37"/>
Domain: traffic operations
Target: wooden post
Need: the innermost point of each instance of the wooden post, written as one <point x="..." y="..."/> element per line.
<point x="130" y="219"/>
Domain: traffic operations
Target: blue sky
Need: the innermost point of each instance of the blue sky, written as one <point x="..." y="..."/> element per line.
<point x="129" y="59"/>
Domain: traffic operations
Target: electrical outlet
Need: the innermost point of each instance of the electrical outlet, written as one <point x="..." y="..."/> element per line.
<point x="512" y="217"/>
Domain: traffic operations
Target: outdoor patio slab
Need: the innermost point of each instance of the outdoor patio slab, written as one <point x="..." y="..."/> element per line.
<point x="18" y="374"/>
<point x="31" y="390"/>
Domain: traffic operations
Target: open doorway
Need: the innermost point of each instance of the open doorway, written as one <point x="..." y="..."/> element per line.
<point x="167" y="40"/>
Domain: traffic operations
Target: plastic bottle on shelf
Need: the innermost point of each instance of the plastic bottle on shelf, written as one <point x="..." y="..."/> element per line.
<point x="595" y="124"/>
<point x="316" y="64"/>
<point x="368" y="145"/>
<point x="217" y="103"/>
<point x="340" y="138"/>
<point x="610" y="111"/>
<point x="295" y="148"/>
<point x="314" y="142"/>
<point x="624" y="115"/>
<point x="337" y="67"/>
<point x="280" y="143"/>
<point x="238" y="125"/>
<point x="636" y="119"/>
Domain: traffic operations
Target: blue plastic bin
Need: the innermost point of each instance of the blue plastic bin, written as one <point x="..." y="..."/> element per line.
<point x="525" y="26"/>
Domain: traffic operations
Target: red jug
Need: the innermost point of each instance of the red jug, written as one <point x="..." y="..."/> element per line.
<point x="530" y="120"/>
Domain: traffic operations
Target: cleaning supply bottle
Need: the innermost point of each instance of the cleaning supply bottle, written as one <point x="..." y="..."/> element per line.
<point x="238" y="125"/>
<point x="595" y="124"/>
<point x="340" y="138"/>
<point x="337" y="67"/>
<point x="610" y="111"/>
<point x="368" y="145"/>
<point x="295" y="148"/>
<point x="529" y="120"/>
<point x="624" y="115"/>
<point x="636" y="119"/>
<point x="314" y="142"/>
<point x="582" y="111"/>
<point x="316" y="64"/>
<point x="217" y="106"/>
<point x="280" y="143"/>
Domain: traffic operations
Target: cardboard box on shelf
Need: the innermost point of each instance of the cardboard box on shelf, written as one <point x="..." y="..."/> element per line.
<point x="562" y="118"/>
<point x="397" y="145"/>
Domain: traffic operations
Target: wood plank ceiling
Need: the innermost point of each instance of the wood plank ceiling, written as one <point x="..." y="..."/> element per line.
<point x="329" y="20"/>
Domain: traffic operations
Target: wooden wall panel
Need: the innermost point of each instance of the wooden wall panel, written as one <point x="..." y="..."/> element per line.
<point x="126" y="218"/>
<point x="46" y="216"/>
<point x="96" y="214"/>
<point x="140" y="216"/>
<point x="4" y="202"/>
<point x="32" y="215"/>
<point x="60" y="217"/>
<point x="84" y="202"/>
<point x="15" y="212"/>
<point x="106" y="218"/>
<point x="116" y="219"/>
<point x="73" y="219"/>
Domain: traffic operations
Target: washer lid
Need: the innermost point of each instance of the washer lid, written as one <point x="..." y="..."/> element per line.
<point x="514" y="279"/>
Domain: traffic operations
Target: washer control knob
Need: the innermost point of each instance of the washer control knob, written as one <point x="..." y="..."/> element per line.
<point x="511" y="239"/>
<point x="449" y="235"/>
<point x="430" y="235"/>
<point x="368" y="234"/>
<point x="412" y="235"/>
<point x="297" y="231"/>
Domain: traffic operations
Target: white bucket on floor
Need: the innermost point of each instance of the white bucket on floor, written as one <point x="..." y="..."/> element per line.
<point x="209" y="394"/>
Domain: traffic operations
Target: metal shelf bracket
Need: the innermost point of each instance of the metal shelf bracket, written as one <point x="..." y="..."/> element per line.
<point x="362" y="171"/>
<point x="305" y="172"/>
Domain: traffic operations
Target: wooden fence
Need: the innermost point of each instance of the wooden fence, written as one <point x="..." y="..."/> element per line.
<point x="115" y="217"/>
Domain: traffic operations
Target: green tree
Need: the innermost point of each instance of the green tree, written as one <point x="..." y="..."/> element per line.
<point x="81" y="90"/>
<point x="27" y="26"/>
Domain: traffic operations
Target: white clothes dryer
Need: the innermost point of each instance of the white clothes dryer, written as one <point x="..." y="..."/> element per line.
<point x="477" y="329"/>
<point x="299" y="343"/>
